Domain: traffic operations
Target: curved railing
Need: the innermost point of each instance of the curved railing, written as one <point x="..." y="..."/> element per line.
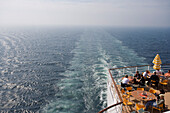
<point x="112" y="83"/>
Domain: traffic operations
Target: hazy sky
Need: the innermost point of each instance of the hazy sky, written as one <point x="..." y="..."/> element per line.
<point x="153" y="13"/>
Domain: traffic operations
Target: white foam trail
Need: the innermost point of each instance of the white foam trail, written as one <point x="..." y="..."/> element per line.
<point x="89" y="70"/>
<point x="102" y="74"/>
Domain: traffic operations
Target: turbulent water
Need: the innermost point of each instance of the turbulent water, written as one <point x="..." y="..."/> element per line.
<point x="64" y="70"/>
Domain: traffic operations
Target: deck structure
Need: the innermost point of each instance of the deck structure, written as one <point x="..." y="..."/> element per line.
<point x="114" y="96"/>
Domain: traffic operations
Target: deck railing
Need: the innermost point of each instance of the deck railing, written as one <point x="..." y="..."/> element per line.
<point x="114" y="99"/>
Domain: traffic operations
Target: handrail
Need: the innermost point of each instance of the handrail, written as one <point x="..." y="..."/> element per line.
<point x="121" y="101"/>
<point x="105" y="109"/>
<point x="136" y="66"/>
<point x="116" y="87"/>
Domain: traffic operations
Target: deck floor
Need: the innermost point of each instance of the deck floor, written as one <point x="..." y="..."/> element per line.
<point x="167" y="101"/>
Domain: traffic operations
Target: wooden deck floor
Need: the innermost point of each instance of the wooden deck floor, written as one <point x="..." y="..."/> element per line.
<point x="167" y="101"/>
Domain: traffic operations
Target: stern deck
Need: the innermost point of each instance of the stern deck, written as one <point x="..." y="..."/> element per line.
<point x="125" y="109"/>
<point x="115" y="100"/>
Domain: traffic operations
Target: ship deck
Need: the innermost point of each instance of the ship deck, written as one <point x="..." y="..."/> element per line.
<point x="114" y="95"/>
<point x="167" y="101"/>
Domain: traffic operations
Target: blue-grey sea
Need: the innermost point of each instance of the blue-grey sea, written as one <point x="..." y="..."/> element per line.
<point x="64" y="70"/>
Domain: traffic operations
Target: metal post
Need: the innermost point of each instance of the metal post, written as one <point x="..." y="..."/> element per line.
<point x="148" y="67"/>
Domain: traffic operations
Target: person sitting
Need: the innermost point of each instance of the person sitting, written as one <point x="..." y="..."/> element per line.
<point x="155" y="103"/>
<point x="155" y="78"/>
<point x="162" y="77"/>
<point x="142" y="81"/>
<point x="158" y="94"/>
<point x="167" y="74"/>
<point x="158" y="72"/>
<point x="137" y="75"/>
<point x="125" y="81"/>
<point x="136" y="81"/>
<point x="146" y="74"/>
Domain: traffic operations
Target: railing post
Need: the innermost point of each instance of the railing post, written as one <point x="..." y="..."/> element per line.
<point x="136" y="69"/>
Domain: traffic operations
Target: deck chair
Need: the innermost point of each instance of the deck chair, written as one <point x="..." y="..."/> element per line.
<point x="153" y="83"/>
<point x="127" y="103"/>
<point x="139" y="108"/>
<point x="164" y="83"/>
<point x="123" y="93"/>
<point x="129" y="89"/>
<point x="160" y="108"/>
<point x="140" y="89"/>
<point x="152" y="91"/>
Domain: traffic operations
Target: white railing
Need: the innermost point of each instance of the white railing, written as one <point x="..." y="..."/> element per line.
<point x="113" y="97"/>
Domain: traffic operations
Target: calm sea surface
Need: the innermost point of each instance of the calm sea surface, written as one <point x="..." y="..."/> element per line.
<point x="63" y="70"/>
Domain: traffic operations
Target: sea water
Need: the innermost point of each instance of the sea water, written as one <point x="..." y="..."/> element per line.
<point x="64" y="70"/>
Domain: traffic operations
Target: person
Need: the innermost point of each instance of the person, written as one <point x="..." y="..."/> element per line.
<point x="136" y="82"/>
<point x="155" y="103"/>
<point x="154" y="77"/>
<point x="158" y="94"/>
<point x="142" y="81"/>
<point x="136" y="78"/>
<point x="146" y="74"/>
<point x="158" y="72"/>
<point x="125" y="81"/>
<point x="137" y="75"/>
<point x="162" y="77"/>
<point x="167" y="74"/>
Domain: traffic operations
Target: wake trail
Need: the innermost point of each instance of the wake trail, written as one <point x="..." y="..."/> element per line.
<point x="84" y="86"/>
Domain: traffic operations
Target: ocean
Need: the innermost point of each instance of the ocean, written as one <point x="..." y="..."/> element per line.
<point x="64" y="70"/>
